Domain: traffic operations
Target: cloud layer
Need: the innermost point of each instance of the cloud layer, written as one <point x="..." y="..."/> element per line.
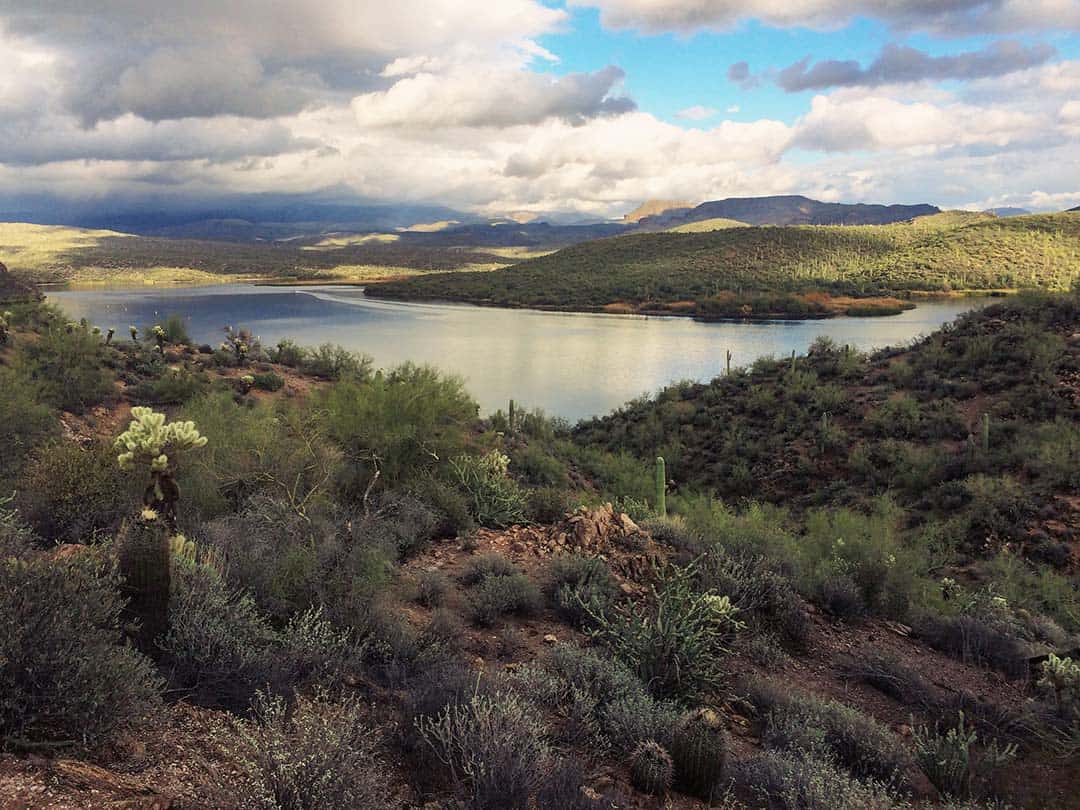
<point x="456" y="102"/>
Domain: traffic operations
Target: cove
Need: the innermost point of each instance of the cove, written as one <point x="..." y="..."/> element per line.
<point x="573" y="365"/>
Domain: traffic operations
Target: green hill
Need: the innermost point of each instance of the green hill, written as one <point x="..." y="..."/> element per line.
<point x="757" y="271"/>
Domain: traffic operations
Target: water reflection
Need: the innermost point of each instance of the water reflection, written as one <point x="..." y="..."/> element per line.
<point x="573" y="365"/>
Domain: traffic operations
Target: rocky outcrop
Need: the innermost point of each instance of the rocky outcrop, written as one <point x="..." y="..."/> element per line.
<point x="13" y="291"/>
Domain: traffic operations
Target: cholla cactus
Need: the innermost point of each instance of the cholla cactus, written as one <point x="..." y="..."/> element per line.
<point x="5" y="326"/>
<point x="160" y="336"/>
<point x="1062" y="677"/>
<point x="651" y="768"/>
<point x="724" y="613"/>
<point x="134" y="333"/>
<point x="240" y="343"/>
<point x="147" y="442"/>
<point x="109" y="336"/>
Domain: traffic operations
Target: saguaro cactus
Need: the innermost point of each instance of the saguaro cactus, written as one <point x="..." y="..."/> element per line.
<point x="792" y="361"/>
<point x="143" y="543"/>
<point x="986" y="433"/>
<point x="729" y="362"/>
<point x="512" y="418"/>
<point x="661" y="487"/>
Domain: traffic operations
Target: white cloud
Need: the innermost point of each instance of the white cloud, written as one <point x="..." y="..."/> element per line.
<point x="696" y="113"/>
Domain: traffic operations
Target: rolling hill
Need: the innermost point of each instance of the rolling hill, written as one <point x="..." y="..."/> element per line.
<point x="770" y="271"/>
<point x="788" y="210"/>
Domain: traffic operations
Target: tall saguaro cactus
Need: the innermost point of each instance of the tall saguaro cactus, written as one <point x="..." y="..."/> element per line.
<point x="143" y="546"/>
<point x="986" y="434"/>
<point x="729" y="362"/>
<point x="661" y="487"/>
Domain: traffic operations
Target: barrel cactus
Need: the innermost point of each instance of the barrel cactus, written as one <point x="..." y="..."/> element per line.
<point x="651" y="768"/>
<point x="144" y="543"/>
<point x="699" y="751"/>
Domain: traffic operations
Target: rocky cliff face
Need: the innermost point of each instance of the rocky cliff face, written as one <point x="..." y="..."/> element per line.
<point x="11" y="289"/>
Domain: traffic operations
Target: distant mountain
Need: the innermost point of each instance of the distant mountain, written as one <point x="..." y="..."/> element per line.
<point x="513" y="234"/>
<point x="1008" y="212"/>
<point x="1075" y="209"/>
<point x="652" y="208"/>
<point x="788" y="210"/>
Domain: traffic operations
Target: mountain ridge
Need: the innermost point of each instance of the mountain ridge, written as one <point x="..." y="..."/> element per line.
<point x="790" y="209"/>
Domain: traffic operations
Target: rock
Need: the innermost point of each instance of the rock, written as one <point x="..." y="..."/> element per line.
<point x="550" y="638"/>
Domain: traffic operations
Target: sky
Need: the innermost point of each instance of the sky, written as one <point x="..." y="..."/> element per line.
<point x="511" y="107"/>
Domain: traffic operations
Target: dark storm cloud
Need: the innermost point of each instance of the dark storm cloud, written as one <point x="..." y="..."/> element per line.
<point x="899" y="64"/>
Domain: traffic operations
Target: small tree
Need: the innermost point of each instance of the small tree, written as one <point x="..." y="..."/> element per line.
<point x="151" y="445"/>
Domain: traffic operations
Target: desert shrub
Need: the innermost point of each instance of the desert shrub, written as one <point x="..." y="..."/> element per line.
<point x="1052" y="453"/>
<point x="450" y="504"/>
<point x="618" y="475"/>
<point x="311" y="755"/>
<point x="897" y="418"/>
<point x="492" y="747"/>
<point x="794" y="780"/>
<point x="676" y="644"/>
<point x="495" y="499"/>
<point x="269" y="381"/>
<point x="948" y="758"/>
<point x="890" y="677"/>
<point x="604" y="704"/>
<point x="538" y="467"/>
<point x="330" y="362"/>
<point x="673" y="531"/>
<point x="975" y="641"/>
<point x="761" y="592"/>
<point x="562" y="788"/>
<point x="548" y="504"/>
<point x="171" y="388"/>
<point x="582" y="585"/>
<point x="70" y="493"/>
<point x="431" y="588"/>
<point x="66" y="673"/>
<point x="288" y="353"/>
<point x="290" y="562"/>
<point x="494" y="595"/>
<point x="24" y="421"/>
<point x="404" y="423"/>
<point x="173" y="330"/>
<point x="849" y="561"/>
<point x="66" y="364"/>
<point x="996" y="507"/>
<point x="218" y="649"/>
<point x="273" y="449"/>
<point x="794" y="721"/>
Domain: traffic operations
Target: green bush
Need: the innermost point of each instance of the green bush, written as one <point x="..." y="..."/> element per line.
<point x="288" y="353"/>
<point x="24" y="422"/>
<point x="496" y="500"/>
<point x="548" y="505"/>
<point x="66" y="673"/>
<point x="678" y="642"/>
<point x="431" y="588"/>
<point x="581" y="586"/>
<point x="799" y="722"/>
<point x="173" y="330"/>
<point x="496" y="595"/>
<point x="274" y="449"/>
<point x="330" y="362"/>
<point x="605" y="703"/>
<point x="404" y="423"/>
<point x="310" y="755"/>
<point x="71" y="494"/>
<point x="66" y="365"/>
<point x="171" y="388"/>
<point x="949" y="759"/>
<point x="269" y="381"/>
<point x="538" y="467"/>
<point x="450" y="505"/>
<point x="795" y="780"/>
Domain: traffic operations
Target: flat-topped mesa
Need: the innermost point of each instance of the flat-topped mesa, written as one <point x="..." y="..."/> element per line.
<point x="13" y="291"/>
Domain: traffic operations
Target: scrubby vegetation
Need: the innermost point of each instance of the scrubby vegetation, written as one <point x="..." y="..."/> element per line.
<point x="806" y="271"/>
<point x="298" y="581"/>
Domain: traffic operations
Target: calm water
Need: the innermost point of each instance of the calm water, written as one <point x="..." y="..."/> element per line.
<point x="572" y="365"/>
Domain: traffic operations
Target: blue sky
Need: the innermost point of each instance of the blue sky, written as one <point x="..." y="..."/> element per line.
<point x="538" y="107"/>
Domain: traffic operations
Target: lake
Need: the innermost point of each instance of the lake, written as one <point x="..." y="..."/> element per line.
<point x="570" y="364"/>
